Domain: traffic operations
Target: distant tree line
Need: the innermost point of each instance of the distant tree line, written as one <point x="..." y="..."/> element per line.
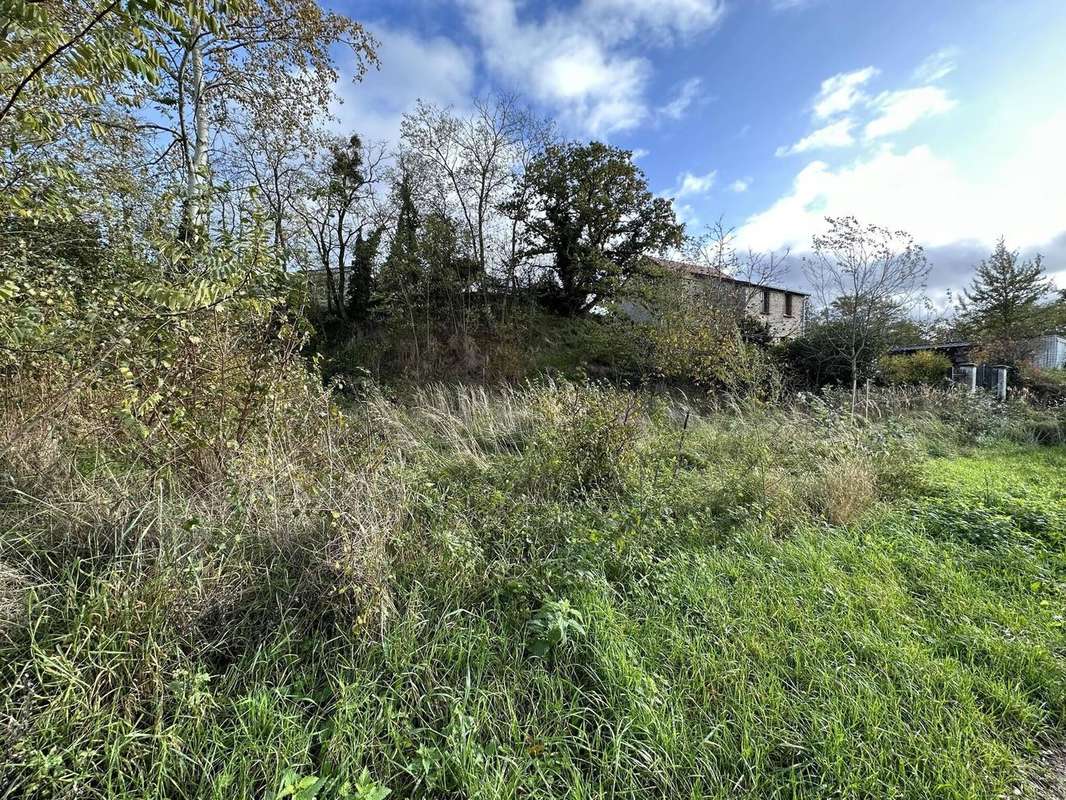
<point x="158" y="149"/>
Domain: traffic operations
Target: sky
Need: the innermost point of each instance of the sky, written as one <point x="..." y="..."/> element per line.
<point x="944" y="118"/>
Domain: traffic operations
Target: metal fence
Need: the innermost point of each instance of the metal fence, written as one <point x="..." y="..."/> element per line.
<point x="986" y="377"/>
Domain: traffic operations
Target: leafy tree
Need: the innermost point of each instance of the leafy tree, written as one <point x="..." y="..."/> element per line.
<point x="864" y="276"/>
<point x="61" y="62"/>
<point x="587" y="210"/>
<point x="695" y="339"/>
<point x="271" y="58"/>
<point x="816" y="359"/>
<point x="1002" y="306"/>
<point x="400" y="270"/>
<point x="54" y="53"/>
<point x="429" y="267"/>
<point x="341" y="205"/>
<point x="361" y="285"/>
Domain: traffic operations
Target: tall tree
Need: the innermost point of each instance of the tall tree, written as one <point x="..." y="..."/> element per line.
<point x="361" y="283"/>
<point x="587" y="209"/>
<point x="340" y="206"/>
<point x="265" y="59"/>
<point x="864" y="277"/>
<point x="468" y="164"/>
<point x="1002" y="306"/>
<point x="399" y="273"/>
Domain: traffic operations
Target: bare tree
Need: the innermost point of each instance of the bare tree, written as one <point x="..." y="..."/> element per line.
<point x="277" y="160"/>
<point x="467" y="165"/>
<point x="864" y="277"/>
<point x="733" y="278"/>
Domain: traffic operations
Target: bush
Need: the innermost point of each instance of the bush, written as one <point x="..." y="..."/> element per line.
<point x="584" y="440"/>
<point x="690" y="338"/>
<point x="815" y="359"/>
<point x="1045" y="385"/>
<point x="924" y="368"/>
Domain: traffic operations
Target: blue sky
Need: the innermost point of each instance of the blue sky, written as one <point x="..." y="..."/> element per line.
<point x="941" y="117"/>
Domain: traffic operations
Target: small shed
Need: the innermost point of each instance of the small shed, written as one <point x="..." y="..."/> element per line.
<point x="1050" y="352"/>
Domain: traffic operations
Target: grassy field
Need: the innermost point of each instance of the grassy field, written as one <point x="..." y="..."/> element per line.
<point x="569" y="593"/>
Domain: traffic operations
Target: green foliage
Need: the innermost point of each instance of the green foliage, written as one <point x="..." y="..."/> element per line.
<point x="171" y="364"/>
<point x="587" y="445"/>
<point x="689" y="339"/>
<point x="1045" y="385"/>
<point x="816" y="358"/>
<point x="554" y="625"/>
<point x="361" y="286"/>
<point x="428" y="273"/>
<point x="1002" y="307"/>
<point x="863" y="273"/>
<point x="473" y="594"/>
<point x="924" y="367"/>
<point x="53" y="54"/>
<point x="588" y="209"/>
<point x="311" y="787"/>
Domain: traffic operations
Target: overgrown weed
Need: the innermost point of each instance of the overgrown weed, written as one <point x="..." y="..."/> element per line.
<point x="544" y="591"/>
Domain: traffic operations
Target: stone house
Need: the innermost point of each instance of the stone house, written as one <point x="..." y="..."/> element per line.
<point x="784" y="310"/>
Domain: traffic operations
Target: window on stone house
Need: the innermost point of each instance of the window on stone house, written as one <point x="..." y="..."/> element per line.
<point x="766" y="301"/>
<point x="788" y="304"/>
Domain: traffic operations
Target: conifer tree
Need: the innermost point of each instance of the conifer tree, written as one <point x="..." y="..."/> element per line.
<point x="399" y="273"/>
<point x="1002" y="307"/>
<point x="361" y="284"/>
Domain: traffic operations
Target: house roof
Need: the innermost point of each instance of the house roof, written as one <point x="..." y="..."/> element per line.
<point x="910" y="348"/>
<point x="706" y="271"/>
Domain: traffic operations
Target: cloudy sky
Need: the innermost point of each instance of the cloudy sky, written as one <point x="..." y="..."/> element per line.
<point x="946" y="118"/>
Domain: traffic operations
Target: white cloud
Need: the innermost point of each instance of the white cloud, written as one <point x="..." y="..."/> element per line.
<point x="574" y="60"/>
<point x="685" y="213"/>
<point x="841" y="92"/>
<point x="835" y="134"/>
<point x="937" y="66"/>
<point x="899" y="110"/>
<point x="684" y="98"/>
<point x="638" y="152"/>
<point x="740" y="185"/>
<point x="435" y="70"/>
<point x="623" y="19"/>
<point x="689" y="184"/>
<point x="925" y="194"/>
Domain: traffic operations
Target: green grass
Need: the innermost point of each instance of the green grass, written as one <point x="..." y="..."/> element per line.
<point x="574" y="612"/>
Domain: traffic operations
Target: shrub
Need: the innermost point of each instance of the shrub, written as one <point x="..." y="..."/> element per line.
<point x="156" y="362"/>
<point x="815" y="359"/>
<point x="1045" y="385"/>
<point x="584" y="440"/>
<point x="915" y="369"/>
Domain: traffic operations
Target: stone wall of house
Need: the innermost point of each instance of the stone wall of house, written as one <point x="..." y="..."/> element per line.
<point x="782" y="325"/>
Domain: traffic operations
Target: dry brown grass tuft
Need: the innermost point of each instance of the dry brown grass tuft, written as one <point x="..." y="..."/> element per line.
<point x="844" y="489"/>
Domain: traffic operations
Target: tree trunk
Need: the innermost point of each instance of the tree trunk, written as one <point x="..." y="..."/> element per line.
<point x="194" y="188"/>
